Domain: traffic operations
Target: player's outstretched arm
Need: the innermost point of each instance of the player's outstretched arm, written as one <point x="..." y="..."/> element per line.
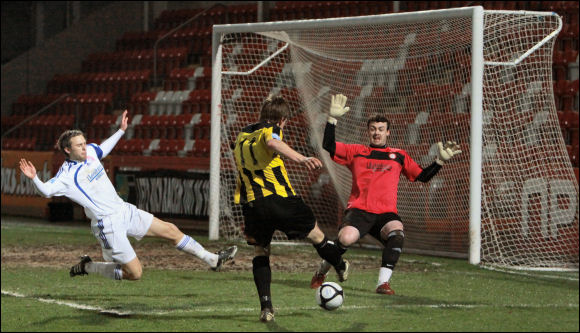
<point x="46" y="189"/>
<point x="27" y="168"/>
<point x="108" y="145"/>
<point x="312" y="163"/>
<point x="337" y="109"/>
<point x="447" y="151"/>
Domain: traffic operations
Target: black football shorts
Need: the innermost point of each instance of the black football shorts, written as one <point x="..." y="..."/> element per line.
<point x="367" y="222"/>
<point x="265" y="215"/>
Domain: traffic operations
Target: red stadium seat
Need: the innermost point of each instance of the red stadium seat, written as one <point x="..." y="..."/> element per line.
<point x="573" y="154"/>
<point x="169" y="147"/>
<point x="201" y="148"/>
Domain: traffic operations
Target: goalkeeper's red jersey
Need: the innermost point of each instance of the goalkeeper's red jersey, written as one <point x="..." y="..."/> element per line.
<point x="375" y="175"/>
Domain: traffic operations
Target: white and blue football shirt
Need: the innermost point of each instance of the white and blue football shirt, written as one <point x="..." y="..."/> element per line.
<point x="86" y="183"/>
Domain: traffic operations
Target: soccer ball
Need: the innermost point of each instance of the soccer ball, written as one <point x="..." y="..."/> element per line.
<point x="329" y="296"/>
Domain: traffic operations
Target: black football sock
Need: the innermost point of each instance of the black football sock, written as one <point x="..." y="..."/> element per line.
<point x="342" y="249"/>
<point x="329" y="251"/>
<point x="393" y="248"/>
<point x="263" y="278"/>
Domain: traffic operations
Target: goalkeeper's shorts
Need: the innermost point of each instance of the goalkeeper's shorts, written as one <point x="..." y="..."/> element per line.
<point x="368" y="223"/>
<point x="265" y="215"/>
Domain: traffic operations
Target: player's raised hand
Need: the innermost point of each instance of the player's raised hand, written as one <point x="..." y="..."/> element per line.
<point x="447" y="151"/>
<point x="27" y="168"/>
<point x="337" y="107"/>
<point x="312" y="163"/>
<point x="124" y="121"/>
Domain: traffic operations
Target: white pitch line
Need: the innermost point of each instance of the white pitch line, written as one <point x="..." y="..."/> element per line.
<point x="69" y="304"/>
<point x="287" y="309"/>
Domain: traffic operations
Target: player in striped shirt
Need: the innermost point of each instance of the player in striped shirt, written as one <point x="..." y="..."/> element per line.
<point x="268" y="200"/>
<point x="372" y="205"/>
<point x="83" y="179"/>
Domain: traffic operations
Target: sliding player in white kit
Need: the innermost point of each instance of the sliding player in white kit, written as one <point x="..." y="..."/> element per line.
<point x="82" y="179"/>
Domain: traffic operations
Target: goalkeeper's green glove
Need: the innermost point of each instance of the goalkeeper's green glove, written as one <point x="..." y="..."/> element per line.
<point x="447" y="151"/>
<point x="337" y="108"/>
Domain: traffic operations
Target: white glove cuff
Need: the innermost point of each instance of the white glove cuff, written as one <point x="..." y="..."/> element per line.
<point x="439" y="161"/>
<point x="332" y="120"/>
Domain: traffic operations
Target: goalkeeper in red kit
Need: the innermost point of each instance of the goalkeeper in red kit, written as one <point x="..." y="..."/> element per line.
<point x="372" y="205"/>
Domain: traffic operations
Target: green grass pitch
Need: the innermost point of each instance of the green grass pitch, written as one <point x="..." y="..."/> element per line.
<point x="433" y="294"/>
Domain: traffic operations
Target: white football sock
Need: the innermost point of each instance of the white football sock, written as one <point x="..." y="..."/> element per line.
<point x="109" y="270"/>
<point x="384" y="275"/>
<point x="189" y="245"/>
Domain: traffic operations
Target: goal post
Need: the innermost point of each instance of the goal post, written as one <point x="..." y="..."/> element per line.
<point x="481" y="78"/>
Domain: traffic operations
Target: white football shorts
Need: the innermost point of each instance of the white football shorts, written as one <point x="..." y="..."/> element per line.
<point x="112" y="232"/>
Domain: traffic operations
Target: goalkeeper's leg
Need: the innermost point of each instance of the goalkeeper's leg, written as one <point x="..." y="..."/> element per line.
<point x="392" y="237"/>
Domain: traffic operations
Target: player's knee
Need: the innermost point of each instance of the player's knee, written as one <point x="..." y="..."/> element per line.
<point x="390" y="227"/>
<point x="173" y="229"/>
<point x="133" y="274"/>
<point x="348" y="238"/>
<point x="394" y="238"/>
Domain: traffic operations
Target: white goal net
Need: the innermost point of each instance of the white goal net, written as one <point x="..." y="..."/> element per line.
<point x="422" y="71"/>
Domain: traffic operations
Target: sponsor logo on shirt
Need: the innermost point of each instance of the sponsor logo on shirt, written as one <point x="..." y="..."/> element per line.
<point x="378" y="167"/>
<point x="96" y="174"/>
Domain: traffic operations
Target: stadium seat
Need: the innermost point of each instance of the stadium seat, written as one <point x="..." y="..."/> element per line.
<point x="568" y="119"/>
<point x="169" y="147"/>
<point x="9" y="143"/>
<point x="131" y="146"/>
<point x="178" y="100"/>
<point x="165" y="104"/>
<point x="199" y="101"/>
<point x="201" y="130"/>
<point x="18" y="144"/>
<point x="573" y="154"/>
<point x="139" y="146"/>
<point x="201" y="148"/>
<point x="140" y="102"/>
<point x="143" y="130"/>
<point x="154" y="105"/>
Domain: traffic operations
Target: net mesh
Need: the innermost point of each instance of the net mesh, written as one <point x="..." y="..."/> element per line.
<point x="417" y="73"/>
<point x="530" y="194"/>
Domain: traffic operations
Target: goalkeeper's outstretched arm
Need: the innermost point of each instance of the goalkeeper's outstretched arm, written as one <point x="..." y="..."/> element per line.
<point x="445" y="153"/>
<point x="337" y="109"/>
<point x="329" y="141"/>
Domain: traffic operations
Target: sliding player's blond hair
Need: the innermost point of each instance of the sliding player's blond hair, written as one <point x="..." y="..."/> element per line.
<point x="64" y="140"/>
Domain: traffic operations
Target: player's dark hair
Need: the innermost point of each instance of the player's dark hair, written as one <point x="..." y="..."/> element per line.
<point x="274" y="109"/>
<point x="64" y="140"/>
<point x="379" y="119"/>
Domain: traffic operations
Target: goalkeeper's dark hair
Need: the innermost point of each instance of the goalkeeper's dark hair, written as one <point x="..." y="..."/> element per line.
<point x="379" y="118"/>
<point x="64" y="140"/>
<point x="275" y="108"/>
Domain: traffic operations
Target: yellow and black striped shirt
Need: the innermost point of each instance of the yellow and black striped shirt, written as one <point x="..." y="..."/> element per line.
<point x="261" y="171"/>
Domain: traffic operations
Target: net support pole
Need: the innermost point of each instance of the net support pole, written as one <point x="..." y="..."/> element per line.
<point x="214" y="164"/>
<point x="476" y="144"/>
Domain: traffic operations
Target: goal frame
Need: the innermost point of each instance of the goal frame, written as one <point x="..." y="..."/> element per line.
<point x="476" y="13"/>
